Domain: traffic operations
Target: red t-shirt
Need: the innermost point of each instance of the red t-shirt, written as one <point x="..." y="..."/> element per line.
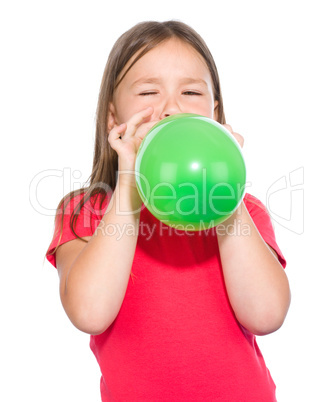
<point x="176" y="337"/>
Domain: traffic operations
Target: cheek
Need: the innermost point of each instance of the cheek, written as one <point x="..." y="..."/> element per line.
<point x="128" y="106"/>
<point x="125" y="109"/>
<point x="203" y="108"/>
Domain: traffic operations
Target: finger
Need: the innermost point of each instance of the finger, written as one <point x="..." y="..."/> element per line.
<point x="239" y="138"/>
<point x="137" y="119"/>
<point x="228" y="127"/>
<point x="116" y="133"/>
<point x="143" y="130"/>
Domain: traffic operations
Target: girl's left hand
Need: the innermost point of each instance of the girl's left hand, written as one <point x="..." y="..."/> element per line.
<point x="239" y="138"/>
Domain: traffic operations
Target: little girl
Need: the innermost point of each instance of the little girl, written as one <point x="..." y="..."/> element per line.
<point x="172" y="314"/>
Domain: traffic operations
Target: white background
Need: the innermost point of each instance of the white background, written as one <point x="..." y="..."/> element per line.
<point x="275" y="63"/>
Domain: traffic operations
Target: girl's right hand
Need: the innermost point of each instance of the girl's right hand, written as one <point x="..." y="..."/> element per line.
<point x="126" y="138"/>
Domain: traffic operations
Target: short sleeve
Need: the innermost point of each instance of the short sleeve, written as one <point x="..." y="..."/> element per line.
<point x="87" y="216"/>
<point x="262" y="220"/>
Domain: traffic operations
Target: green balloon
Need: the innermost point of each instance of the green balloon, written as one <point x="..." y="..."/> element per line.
<point x="190" y="172"/>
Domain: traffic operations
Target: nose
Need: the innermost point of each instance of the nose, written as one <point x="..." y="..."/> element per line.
<point x="169" y="108"/>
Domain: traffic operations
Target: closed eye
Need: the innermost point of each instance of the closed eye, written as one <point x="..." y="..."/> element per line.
<point x="148" y="93"/>
<point x="191" y="93"/>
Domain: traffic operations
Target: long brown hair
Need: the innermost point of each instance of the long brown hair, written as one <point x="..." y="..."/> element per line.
<point x="139" y="40"/>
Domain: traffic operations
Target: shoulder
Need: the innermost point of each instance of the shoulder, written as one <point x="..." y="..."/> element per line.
<point x="78" y="215"/>
<point x="263" y="222"/>
<point x="84" y="202"/>
<point x="257" y="210"/>
<point x="252" y="202"/>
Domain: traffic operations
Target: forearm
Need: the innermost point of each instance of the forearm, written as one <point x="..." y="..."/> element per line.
<point x="97" y="280"/>
<point x="256" y="283"/>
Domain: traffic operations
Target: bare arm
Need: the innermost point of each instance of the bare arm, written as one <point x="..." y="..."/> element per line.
<point x="256" y="283"/>
<point x="94" y="275"/>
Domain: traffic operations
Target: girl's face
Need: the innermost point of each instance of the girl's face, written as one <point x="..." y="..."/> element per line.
<point x="172" y="78"/>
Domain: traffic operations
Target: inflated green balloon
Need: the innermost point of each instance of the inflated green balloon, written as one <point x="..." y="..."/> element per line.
<point x="190" y="172"/>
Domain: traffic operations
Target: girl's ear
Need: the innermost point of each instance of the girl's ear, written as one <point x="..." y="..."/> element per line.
<point x="111" y="116"/>
<point x="216" y="110"/>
